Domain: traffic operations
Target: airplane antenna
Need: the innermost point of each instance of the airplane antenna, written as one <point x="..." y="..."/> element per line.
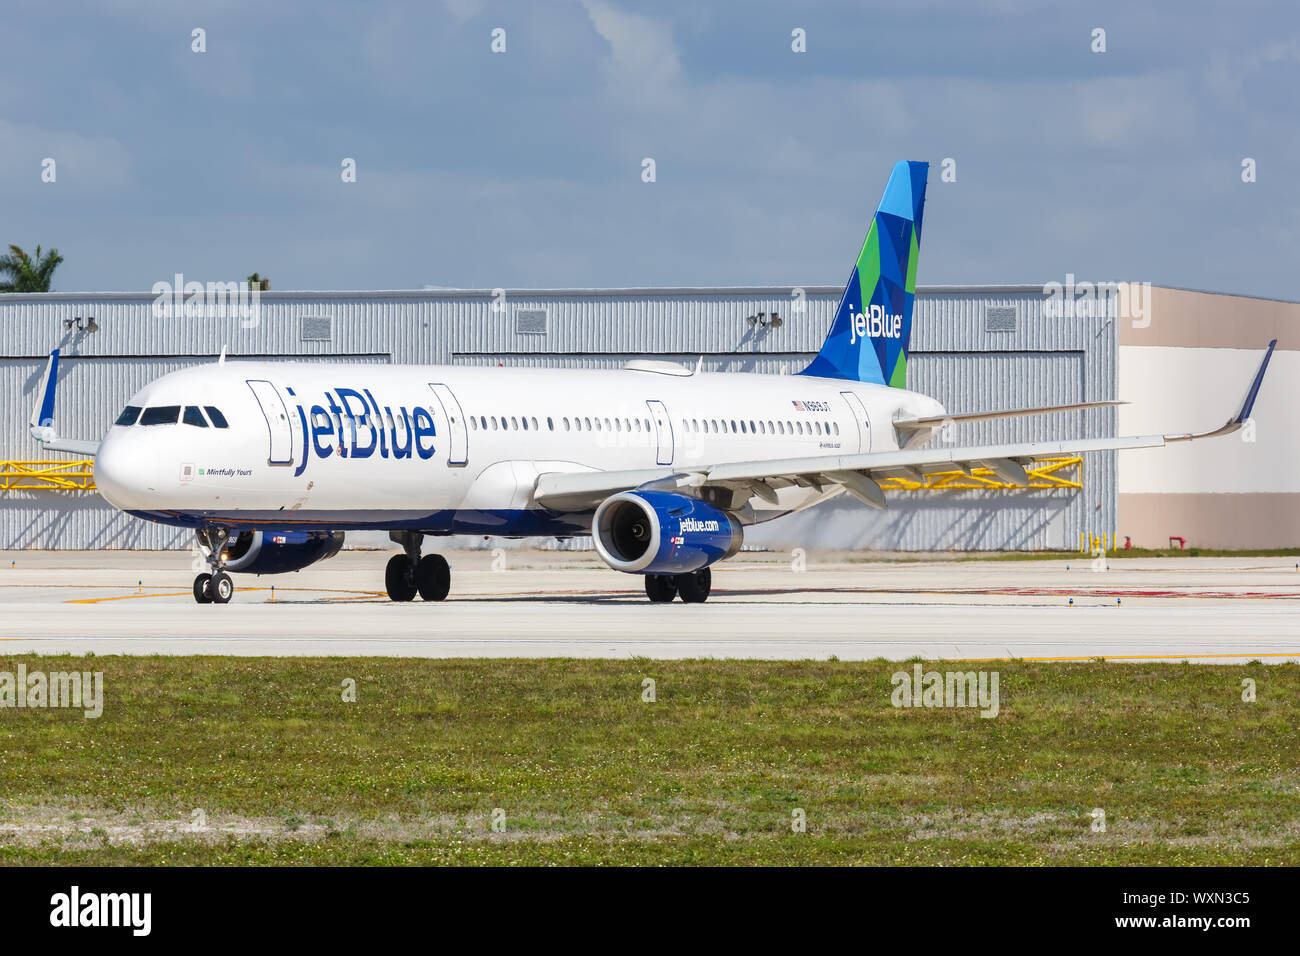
<point x="221" y="359"/>
<point x="699" y="365"/>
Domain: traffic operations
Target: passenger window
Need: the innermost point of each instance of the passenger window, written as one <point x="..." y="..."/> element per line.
<point x="194" y="417"/>
<point x="534" y="421"/>
<point x="214" y="415"/>
<point x="525" y="420"/>
<point x="473" y="423"/>
<point x="161" y="415"/>
<point x="550" y="425"/>
<point x="565" y="420"/>
<point x="128" y="416"/>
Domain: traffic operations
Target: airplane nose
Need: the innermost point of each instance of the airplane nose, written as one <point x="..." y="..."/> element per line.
<point x="121" y="474"/>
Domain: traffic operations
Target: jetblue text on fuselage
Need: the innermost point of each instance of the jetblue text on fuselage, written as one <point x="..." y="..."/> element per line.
<point x="875" y="323"/>
<point x="351" y="424"/>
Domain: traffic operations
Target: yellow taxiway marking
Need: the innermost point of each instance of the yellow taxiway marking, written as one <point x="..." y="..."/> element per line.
<point x="129" y="597"/>
<point x="126" y="597"/>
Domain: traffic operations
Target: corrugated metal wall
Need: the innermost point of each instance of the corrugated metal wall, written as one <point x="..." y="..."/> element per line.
<point x="1030" y="360"/>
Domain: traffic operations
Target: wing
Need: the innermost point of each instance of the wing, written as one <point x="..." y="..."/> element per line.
<point x="858" y="473"/>
<point x="912" y="425"/>
<point x="41" y="424"/>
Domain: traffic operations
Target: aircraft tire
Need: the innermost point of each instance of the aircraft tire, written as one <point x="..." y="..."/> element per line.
<point x="694" y="587"/>
<point x="433" y="577"/>
<point x="398" y="578"/>
<point x="660" y="588"/>
<point x="202" y="594"/>
<point x="221" y="588"/>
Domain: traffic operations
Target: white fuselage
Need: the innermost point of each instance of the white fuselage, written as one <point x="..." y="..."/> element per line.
<point x="445" y="449"/>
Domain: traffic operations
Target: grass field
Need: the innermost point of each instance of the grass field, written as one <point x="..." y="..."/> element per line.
<point x="233" y="761"/>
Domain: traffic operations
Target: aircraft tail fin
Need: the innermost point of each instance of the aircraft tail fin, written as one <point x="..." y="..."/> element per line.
<point x="868" y="341"/>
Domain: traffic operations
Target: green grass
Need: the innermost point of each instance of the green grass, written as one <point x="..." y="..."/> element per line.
<point x="284" y="771"/>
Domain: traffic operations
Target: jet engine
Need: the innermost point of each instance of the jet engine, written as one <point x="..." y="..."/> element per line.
<point x="661" y="532"/>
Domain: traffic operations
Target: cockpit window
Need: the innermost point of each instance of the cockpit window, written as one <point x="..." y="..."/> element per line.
<point x="161" y="415"/>
<point x="128" y="416"/>
<point x="218" y="419"/>
<point x="193" y="416"/>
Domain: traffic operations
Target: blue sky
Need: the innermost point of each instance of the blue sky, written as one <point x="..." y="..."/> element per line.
<point x="522" y="169"/>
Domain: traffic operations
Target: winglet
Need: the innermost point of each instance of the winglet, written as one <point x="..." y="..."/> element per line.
<point x="1247" y="404"/>
<point x="1249" y="401"/>
<point x="41" y="424"/>
<point x="43" y="414"/>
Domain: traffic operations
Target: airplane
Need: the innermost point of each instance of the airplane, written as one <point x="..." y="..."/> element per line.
<point x="271" y="464"/>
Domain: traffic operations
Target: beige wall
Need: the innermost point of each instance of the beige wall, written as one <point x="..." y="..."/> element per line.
<point x="1211" y="520"/>
<point x="1210" y="320"/>
<point x="1187" y="369"/>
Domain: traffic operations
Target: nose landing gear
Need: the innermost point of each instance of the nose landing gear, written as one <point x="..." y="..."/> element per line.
<point x="410" y="574"/>
<point x="215" y="587"/>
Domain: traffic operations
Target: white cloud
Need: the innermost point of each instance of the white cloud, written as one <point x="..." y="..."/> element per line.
<point x="84" y="165"/>
<point x="643" y="65"/>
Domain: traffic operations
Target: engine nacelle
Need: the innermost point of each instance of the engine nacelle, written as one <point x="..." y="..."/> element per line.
<point x="661" y="532"/>
<point x="258" y="552"/>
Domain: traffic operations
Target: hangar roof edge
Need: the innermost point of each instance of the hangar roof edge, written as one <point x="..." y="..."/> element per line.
<point x="639" y="291"/>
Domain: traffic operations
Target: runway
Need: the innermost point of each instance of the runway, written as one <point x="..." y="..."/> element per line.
<point x="555" y="604"/>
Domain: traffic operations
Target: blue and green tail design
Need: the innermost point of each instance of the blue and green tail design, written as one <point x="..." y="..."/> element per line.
<point x="873" y="324"/>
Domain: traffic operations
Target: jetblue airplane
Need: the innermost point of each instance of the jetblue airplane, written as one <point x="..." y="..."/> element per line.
<point x="271" y="463"/>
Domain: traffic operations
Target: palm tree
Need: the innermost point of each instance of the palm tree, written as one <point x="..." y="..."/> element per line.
<point x="28" y="273"/>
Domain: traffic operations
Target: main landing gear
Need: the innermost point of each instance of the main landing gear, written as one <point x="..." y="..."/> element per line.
<point x="693" y="587"/>
<point x="410" y="574"/>
<point x="214" y="587"/>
